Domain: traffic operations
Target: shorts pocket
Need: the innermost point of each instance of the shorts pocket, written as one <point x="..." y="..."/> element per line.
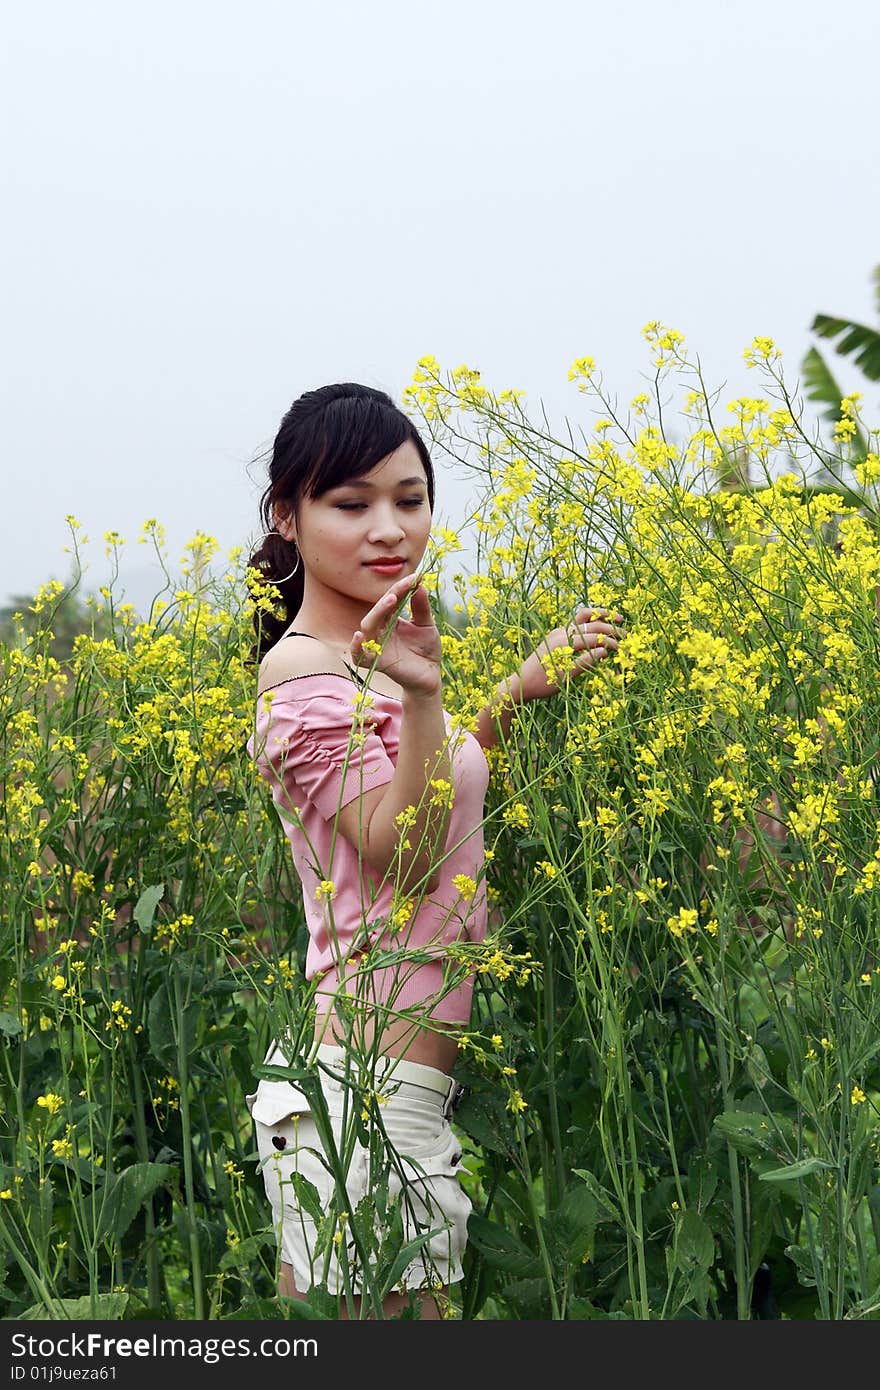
<point x="273" y="1100"/>
<point x="443" y="1156"/>
<point x="433" y="1200"/>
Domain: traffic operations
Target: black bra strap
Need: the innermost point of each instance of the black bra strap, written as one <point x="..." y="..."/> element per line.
<point x="356" y="676"/>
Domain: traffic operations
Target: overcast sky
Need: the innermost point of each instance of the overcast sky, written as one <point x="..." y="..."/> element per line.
<point x="212" y="207"/>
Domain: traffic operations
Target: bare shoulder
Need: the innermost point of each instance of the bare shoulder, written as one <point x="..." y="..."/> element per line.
<point x="298" y="656"/>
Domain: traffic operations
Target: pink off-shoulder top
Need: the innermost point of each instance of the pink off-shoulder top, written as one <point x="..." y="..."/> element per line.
<point x="300" y="744"/>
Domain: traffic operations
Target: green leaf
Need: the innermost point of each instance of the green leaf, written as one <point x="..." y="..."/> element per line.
<point x="853" y="338"/>
<point x="702" y="1182"/>
<point x="608" y="1209"/>
<point x="481" y="1117"/>
<point x="145" y="907"/>
<point x="694" y="1247"/>
<point x="108" y="1307"/>
<point x="803" y="1264"/>
<point x="571" y="1228"/>
<point x="387" y="1281"/>
<point x="874" y="1209"/>
<point x="160" y="1027"/>
<point x="820" y="386"/>
<point x="527" y="1298"/>
<point x="500" y="1248"/>
<point x="751" y="1133"/>
<point x="757" y="1066"/>
<point x="271" y="1309"/>
<point x="239" y="1256"/>
<point x="9" y="1024"/>
<point x="791" y="1172"/>
<point x="124" y="1195"/>
<point x="307" y="1195"/>
<point x="320" y="1306"/>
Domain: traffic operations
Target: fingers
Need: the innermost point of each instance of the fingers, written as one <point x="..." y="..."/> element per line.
<point x="586" y="615"/>
<point x="599" y="633"/>
<point x="596" y="644"/>
<point x="597" y="640"/>
<point x="376" y="621"/>
<point x="394" y="595"/>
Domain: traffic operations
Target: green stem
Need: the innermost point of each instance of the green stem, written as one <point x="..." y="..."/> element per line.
<point x="623" y="1073"/>
<point x="538" y="1223"/>
<point x="743" y="1292"/>
<point x="550" y="1060"/>
<point x="154" y="1288"/>
<point x="186" y="1140"/>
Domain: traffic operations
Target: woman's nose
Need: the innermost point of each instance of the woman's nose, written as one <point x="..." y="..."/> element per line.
<point x="387" y="526"/>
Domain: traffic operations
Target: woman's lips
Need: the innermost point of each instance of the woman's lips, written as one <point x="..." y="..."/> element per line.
<point x="386" y="568"/>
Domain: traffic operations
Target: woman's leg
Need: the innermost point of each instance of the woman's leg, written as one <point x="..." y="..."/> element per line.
<point x="394" y="1304"/>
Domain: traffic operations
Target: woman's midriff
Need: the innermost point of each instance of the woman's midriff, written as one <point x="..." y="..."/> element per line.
<point x="435" y="1045"/>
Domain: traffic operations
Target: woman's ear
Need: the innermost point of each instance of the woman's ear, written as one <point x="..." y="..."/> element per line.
<point x="284" y="524"/>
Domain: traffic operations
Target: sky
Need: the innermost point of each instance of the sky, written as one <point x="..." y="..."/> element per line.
<point x="213" y="207"/>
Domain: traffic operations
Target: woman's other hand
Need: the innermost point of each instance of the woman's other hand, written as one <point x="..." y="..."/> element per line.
<point x="591" y="635"/>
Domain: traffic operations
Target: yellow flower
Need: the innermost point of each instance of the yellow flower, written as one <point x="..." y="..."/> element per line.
<point x="516" y="1104"/>
<point x="761" y="350"/>
<point x="546" y="868"/>
<point x="516" y="815"/>
<point x="869" y="471"/>
<point x="50" y="1102"/>
<point x="58" y="982"/>
<point x="62" y="1148"/>
<point x="444" y="792"/>
<point x="119" y="1015"/>
<point x="497" y="1041"/>
<point x="401" y="915"/>
<point x="465" y="885"/>
<point x="858" y="1096"/>
<point x="325" y="889"/>
<point x="582" y="367"/>
<point x="684" y="922"/>
<point x="6" y="1194"/>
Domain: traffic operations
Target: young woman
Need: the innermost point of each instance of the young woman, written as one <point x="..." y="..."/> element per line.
<point x="382" y="798"/>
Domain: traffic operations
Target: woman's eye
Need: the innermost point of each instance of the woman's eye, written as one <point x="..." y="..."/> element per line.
<point x="358" y="506"/>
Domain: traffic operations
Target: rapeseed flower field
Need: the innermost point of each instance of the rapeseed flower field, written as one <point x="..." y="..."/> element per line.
<point x="673" y="1061"/>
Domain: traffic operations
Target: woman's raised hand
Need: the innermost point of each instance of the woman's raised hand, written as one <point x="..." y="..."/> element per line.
<point x="410" y="649"/>
<point x="591" y="636"/>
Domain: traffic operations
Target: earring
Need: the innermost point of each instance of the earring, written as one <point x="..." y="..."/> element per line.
<point x="264" y="564"/>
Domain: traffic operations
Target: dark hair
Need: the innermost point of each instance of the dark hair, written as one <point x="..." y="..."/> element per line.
<point x="327" y="436"/>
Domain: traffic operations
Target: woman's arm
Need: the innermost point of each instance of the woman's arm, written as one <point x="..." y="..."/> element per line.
<point x="589" y="639"/>
<point x="423" y="757"/>
<point x="499" y="712"/>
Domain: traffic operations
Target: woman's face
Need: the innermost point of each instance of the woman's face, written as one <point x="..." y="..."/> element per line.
<point x="384" y="513"/>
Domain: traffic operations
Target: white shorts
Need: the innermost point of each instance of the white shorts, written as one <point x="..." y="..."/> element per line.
<point x="414" y="1166"/>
